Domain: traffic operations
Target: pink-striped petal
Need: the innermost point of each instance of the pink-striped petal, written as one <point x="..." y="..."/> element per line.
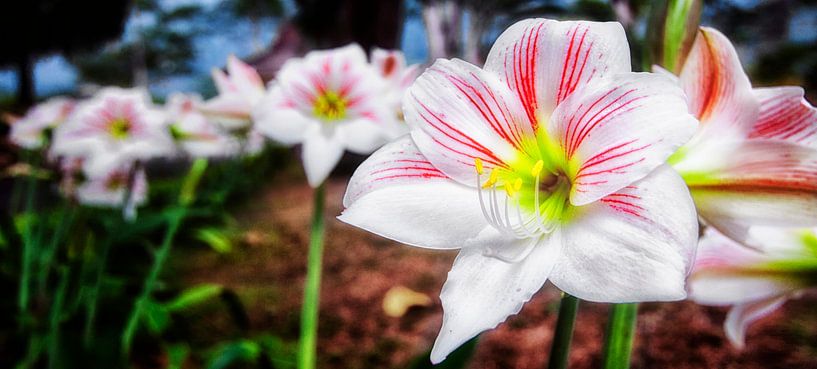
<point x="459" y="112"/>
<point x="244" y="77"/>
<point x="720" y="94"/>
<point x="398" y="194"/>
<point x="615" y="131"/>
<point x="545" y="61"/>
<point x="634" y="245"/>
<point x="785" y="115"/>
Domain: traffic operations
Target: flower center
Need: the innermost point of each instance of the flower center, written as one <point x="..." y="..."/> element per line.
<point x="330" y="106"/>
<point x="535" y="199"/>
<point x="119" y="128"/>
<point x="116" y="181"/>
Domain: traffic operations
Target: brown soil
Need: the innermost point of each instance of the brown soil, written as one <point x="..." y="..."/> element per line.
<point x="267" y="273"/>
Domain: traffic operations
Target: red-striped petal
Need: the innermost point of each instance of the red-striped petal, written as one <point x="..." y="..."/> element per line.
<point x="545" y="61"/>
<point x="785" y="115"/>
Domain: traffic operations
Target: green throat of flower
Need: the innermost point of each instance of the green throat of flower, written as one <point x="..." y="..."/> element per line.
<point x="120" y="128"/>
<point x="536" y="191"/>
<point x="330" y="106"/>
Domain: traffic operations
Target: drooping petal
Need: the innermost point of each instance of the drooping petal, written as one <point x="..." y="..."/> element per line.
<point x="320" y="154"/>
<point x="459" y="112"/>
<point x="482" y="291"/>
<point x="754" y="183"/>
<point x="785" y="115"/>
<point x="615" y="131"/>
<point x="634" y="245"/>
<point x="720" y="94"/>
<point x="544" y="61"/>
<point x="728" y="273"/>
<point x="740" y="316"/>
<point x="398" y="194"/>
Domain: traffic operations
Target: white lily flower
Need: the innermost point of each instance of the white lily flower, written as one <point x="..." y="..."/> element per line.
<point x="29" y="131"/>
<point x="110" y="189"/>
<point x="115" y="126"/>
<point x="753" y="282"/>
<point x="545" y="165"/>
<point x="753" y="161"/>
<point x="391" y="64"/>
<point x="238" y="92"/>
<point x="196" y="134"/>
<point x="329" y="101"/>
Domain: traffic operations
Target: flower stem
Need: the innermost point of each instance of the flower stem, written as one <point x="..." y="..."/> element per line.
<point x="309" y="313"/>
<point x="620" y="334"/>
<point x="158" y="262"/>
<point x="28" y="242"/>
<point x="564" y="332"/>
<point x="56" y="317"/>
<point x="93" y="295"/>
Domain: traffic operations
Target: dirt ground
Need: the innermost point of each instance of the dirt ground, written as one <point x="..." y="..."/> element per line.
<point x="267" y="273"/>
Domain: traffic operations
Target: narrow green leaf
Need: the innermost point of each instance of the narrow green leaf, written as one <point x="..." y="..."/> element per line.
<point x="194" y="296"/>
<point x="155" y="316"/>
<point x="218" y="239"/>
<point x="234" y="352"/>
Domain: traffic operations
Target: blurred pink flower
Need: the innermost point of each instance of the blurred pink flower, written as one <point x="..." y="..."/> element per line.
<point x="753" y="162"/>
<point x="196" y="134"/>
<point x="115" y="127"/>
<point x="545" y="165"/>
<point x="110" y="189"/>
<point x="753" y="282"/>
<point x="238" y="92"/>
<point x="329" y="101"/>
<point x="29" y="131"/>
<point x="391" y="64"/>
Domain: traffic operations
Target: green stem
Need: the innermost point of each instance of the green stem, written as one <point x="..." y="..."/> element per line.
<point x="28" y="244"/>
<point x="564" y="332"/>
<point x="307" y="357"/>
<point x="55" y="319"/>
<point x="66" y="220"/>
<point x="620" y="333"/>
<point x="158" y="262"/>
<point x="93" y="294"/>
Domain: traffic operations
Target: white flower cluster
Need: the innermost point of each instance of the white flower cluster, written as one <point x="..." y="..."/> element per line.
<point x="105" y="141"/>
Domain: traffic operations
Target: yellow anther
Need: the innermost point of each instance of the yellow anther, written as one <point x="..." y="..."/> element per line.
<point x="517" y="185"/>
<point x="509" y="189"/>
<point x="492" y="179"/>
<point x="478" y="165"/>
<point x="537" y="168"/>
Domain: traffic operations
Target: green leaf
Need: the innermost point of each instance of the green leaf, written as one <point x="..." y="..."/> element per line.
<point x="155" y="316"/>
<point x="673" y="28"/>
<point x="194" y="296"/>
<point x="176" y="355"/>
<point x="234" y="352"/>
<point x="456" y="360"/>
<point x="218" y="239"/>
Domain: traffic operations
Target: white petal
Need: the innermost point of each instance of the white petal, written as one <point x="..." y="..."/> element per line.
<point x="277" y="119"/>
<point x="740" y="316"/>
<point x="321" y="152"/>
<point x="398" y="194"/>
<point x="544" y="61"/>
<point x="482" y="291"/>
<point x="634" y="245"/>
<point x="615" y="131"/>
<point x="361" y="136"/>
